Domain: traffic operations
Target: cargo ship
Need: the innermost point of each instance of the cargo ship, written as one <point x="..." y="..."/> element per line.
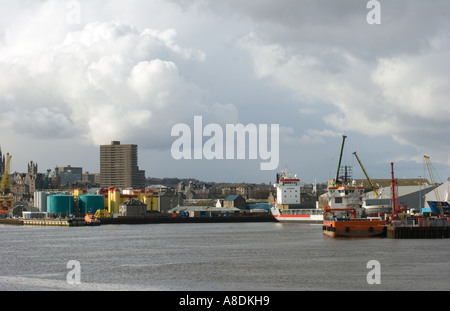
<point x="344" y="214"/>
<point x="288" y="207"/>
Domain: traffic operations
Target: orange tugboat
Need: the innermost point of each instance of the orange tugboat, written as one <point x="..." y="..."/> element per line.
<point x="91" y="220"/>
<point x="344" y="215"/>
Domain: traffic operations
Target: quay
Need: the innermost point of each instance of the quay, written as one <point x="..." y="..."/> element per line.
<point x="136" y="220"/>
<point x="77" y="222"/>
<point x="416" y="232"/>
<point x="421" y="228"/>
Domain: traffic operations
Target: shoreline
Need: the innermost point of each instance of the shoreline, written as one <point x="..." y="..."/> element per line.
<point x="131" y="220"/>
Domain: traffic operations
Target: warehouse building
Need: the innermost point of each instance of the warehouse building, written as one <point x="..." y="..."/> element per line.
<point x="133" y="207"/>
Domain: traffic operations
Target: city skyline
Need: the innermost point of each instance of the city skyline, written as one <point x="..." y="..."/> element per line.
<point x="81" y="74"/>
<point x="72" y="174"/>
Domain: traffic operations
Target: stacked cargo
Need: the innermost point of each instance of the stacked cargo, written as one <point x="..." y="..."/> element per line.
<point x="433" y="222"/>
<point x="424" y="222"/>
<point x="438" y="222"/>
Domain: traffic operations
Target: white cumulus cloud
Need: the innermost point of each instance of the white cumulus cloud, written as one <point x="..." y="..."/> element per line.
<point x="106" y="81"/>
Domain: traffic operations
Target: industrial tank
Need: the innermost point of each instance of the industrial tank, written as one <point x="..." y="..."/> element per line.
<point x="113" y="199"/>
<point x="90" y="203"/>
<point x="60" y="204"/>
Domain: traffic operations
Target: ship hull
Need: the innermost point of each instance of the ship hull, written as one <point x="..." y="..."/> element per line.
<point x="299" y="218"/>
<point x="354" y="228"/>
<point x="298" y="215"/>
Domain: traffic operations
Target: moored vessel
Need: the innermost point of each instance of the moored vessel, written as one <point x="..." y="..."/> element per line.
<point x="298" y="215"/>
<point x="288" y="207"/>
<point x="91" y="220"/>
<point x="344" y="214"/>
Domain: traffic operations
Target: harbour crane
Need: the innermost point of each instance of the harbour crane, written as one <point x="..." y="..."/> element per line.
<point x="394" y="193"/>
<point x="336" y="179"/>
<point x="396" y="207"/>
<point x="436" y="192"/>
<point x="5" y="184"/>
<point x="6" y="198"/>
<point x="367" y="176"/>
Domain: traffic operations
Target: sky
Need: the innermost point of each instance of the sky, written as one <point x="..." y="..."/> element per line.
<point x="80" y="74"/>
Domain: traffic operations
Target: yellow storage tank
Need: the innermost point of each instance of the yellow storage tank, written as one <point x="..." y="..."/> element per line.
<point x="106" y="196"/>
<point x="141" y="195"/>
<point x="155" y="203"/>
<point x="109" y="201"/>
<point x="148" y="202"/>
<point x="76" y="194"/>
<point x="113" y="200"/>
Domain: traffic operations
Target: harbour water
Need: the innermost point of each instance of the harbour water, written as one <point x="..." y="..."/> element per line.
<point x="215" y="257"/>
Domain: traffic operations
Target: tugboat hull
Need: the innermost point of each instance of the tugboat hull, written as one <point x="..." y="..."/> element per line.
<point x="354" y="228"/>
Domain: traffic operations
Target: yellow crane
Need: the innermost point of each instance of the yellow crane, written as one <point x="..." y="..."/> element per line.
<point x="367" y="176"/>
<point x="436" y="192"/>
<point x="6" y="199"/>
<point x="5" y="184"/>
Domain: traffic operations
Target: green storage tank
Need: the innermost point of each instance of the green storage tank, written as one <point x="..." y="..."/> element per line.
<point x="90" y="203"/>
<point x="60" y="204"/>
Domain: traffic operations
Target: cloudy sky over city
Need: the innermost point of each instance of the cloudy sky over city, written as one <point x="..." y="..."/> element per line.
<point x="80" y="74"/>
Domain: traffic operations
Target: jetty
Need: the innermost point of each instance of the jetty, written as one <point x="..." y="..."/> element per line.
<point x="130" y="220"/>
<point x="136" y="220"/>
<point x="44" y="222"/>
<point x="416" y="232"/>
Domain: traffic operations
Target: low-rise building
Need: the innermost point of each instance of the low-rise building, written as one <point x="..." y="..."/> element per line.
<point x="133" y="207"/>
<point x="236" y="201"/>
<point x="203" y="211"/>
<point x="237" y="189"/>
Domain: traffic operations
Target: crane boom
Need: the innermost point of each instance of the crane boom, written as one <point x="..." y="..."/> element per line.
<point x="394" y="193"/>
<point x="367" y="176"/>
<point x="436" y="192"/>
<point x="336" y="179"/>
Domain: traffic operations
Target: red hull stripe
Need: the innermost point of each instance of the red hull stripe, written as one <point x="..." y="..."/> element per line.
<point x="292" y="216"/>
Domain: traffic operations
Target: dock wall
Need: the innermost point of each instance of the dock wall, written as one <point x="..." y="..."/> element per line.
<point x="44" y="222"/>
<point x="185" y="220"/>
<point x="418" y="232"/>
<point x="129" y="220"/>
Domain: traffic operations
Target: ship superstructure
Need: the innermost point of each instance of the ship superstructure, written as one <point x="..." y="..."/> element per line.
<point x="344" y="214"/>
<point x="288" y="207"/>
